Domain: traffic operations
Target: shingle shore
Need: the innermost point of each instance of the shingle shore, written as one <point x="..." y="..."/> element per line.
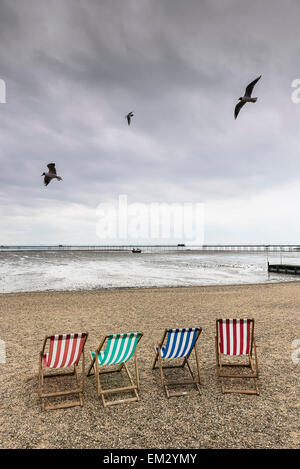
<point x="212" y="420"/>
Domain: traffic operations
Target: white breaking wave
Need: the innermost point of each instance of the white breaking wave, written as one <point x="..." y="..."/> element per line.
<point x="80" y="270"/>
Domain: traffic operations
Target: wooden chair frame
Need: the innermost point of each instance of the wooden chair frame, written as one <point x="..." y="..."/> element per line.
<point x="252" y="364"/>
<point x="42" y="376"/>
<point x="94" y="368"/>
<point x="166" y="383"/>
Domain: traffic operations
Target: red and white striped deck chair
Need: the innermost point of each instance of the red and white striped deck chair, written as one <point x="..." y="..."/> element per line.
<point x="60" y="352"/>
<point x="180" y="343"/>
<point x="235" y="338"/>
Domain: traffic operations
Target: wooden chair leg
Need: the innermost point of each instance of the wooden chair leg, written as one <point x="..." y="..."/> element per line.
<point x="155" y="359"/>
<point x="166" y="383"/>
<point x="103" y="392"/>
<point x="137" y="374"/>
<point x="197" y="363"/>
<point x="253" y="376"/>
<point x="163" y="381"/>
<point x="44" y="395"/>
<point x="131" y="381"/>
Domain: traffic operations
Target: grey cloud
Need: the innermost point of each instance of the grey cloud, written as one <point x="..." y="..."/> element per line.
<point x="74" y="69"/>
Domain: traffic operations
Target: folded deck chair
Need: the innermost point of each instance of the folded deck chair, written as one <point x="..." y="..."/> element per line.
<point x="235" y="337"/>
<point x="64" y="352"/>
<point x="119" y="349"/>
<point x="179" y="344"/>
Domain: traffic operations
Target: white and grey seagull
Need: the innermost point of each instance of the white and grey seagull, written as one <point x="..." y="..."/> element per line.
<point x="129" y="116"/>
<point x="246" y="98"/>
<point x="51" y="174"/>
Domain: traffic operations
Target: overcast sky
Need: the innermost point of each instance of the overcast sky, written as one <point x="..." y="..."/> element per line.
<point x="74" y="68"/>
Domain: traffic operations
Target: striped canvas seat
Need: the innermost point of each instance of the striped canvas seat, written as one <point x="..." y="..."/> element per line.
<point x="116" y="349"/>
<point x="235" y="341"/>
<point x="64" y="350"/>
<point x="180" y="342"/>
<point x="234" y="336"/>
<point x="119" y="348"/>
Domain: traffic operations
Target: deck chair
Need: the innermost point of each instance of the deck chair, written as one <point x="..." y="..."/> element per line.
<point x="179" y="344"/>
<point x="64" y="352"/>
<point x="234" y="338"/>
<point x="118" y="350"/>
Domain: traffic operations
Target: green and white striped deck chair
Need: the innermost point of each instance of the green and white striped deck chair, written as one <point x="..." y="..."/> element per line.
<point x="118" y="350"/>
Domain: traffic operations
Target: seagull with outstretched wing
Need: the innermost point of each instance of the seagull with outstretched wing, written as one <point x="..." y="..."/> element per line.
<point x="129" y="116"/>
<point x="51" y="174"/>
<point x="246" y="98"/>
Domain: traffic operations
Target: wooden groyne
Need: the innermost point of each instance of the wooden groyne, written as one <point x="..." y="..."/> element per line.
<point x="284" y="269"/>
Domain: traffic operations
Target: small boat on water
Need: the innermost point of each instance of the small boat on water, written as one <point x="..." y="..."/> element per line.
<point x="136" y="250"/>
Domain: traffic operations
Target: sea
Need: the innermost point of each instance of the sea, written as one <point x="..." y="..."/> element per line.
<point x="43" y="270"/>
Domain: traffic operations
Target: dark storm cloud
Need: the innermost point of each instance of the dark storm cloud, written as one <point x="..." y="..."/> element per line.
<point x="74" y="69"/>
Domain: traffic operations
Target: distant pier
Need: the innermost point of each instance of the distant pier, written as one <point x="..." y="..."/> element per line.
<point x="159" y="247"/>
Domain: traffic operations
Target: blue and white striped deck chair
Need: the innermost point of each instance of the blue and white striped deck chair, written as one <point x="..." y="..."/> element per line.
<point x="179" y="344"/>
<point x="119" y="349"/>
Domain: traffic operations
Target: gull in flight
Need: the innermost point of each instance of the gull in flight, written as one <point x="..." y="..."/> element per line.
<point x="51" y="174"/>
<point x="129" y="116"/>
<point x="246" y="98"/>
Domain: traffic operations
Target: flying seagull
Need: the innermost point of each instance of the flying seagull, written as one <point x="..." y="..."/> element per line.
<point x="129" y="116"/>
<point x="246" y="98"/>
<point x="51" y="174"/>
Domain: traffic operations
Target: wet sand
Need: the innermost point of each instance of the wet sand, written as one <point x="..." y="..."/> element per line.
<point x="212" y="420"/>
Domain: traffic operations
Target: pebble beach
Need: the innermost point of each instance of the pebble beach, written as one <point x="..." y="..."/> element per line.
<point x="209" y="420"/>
